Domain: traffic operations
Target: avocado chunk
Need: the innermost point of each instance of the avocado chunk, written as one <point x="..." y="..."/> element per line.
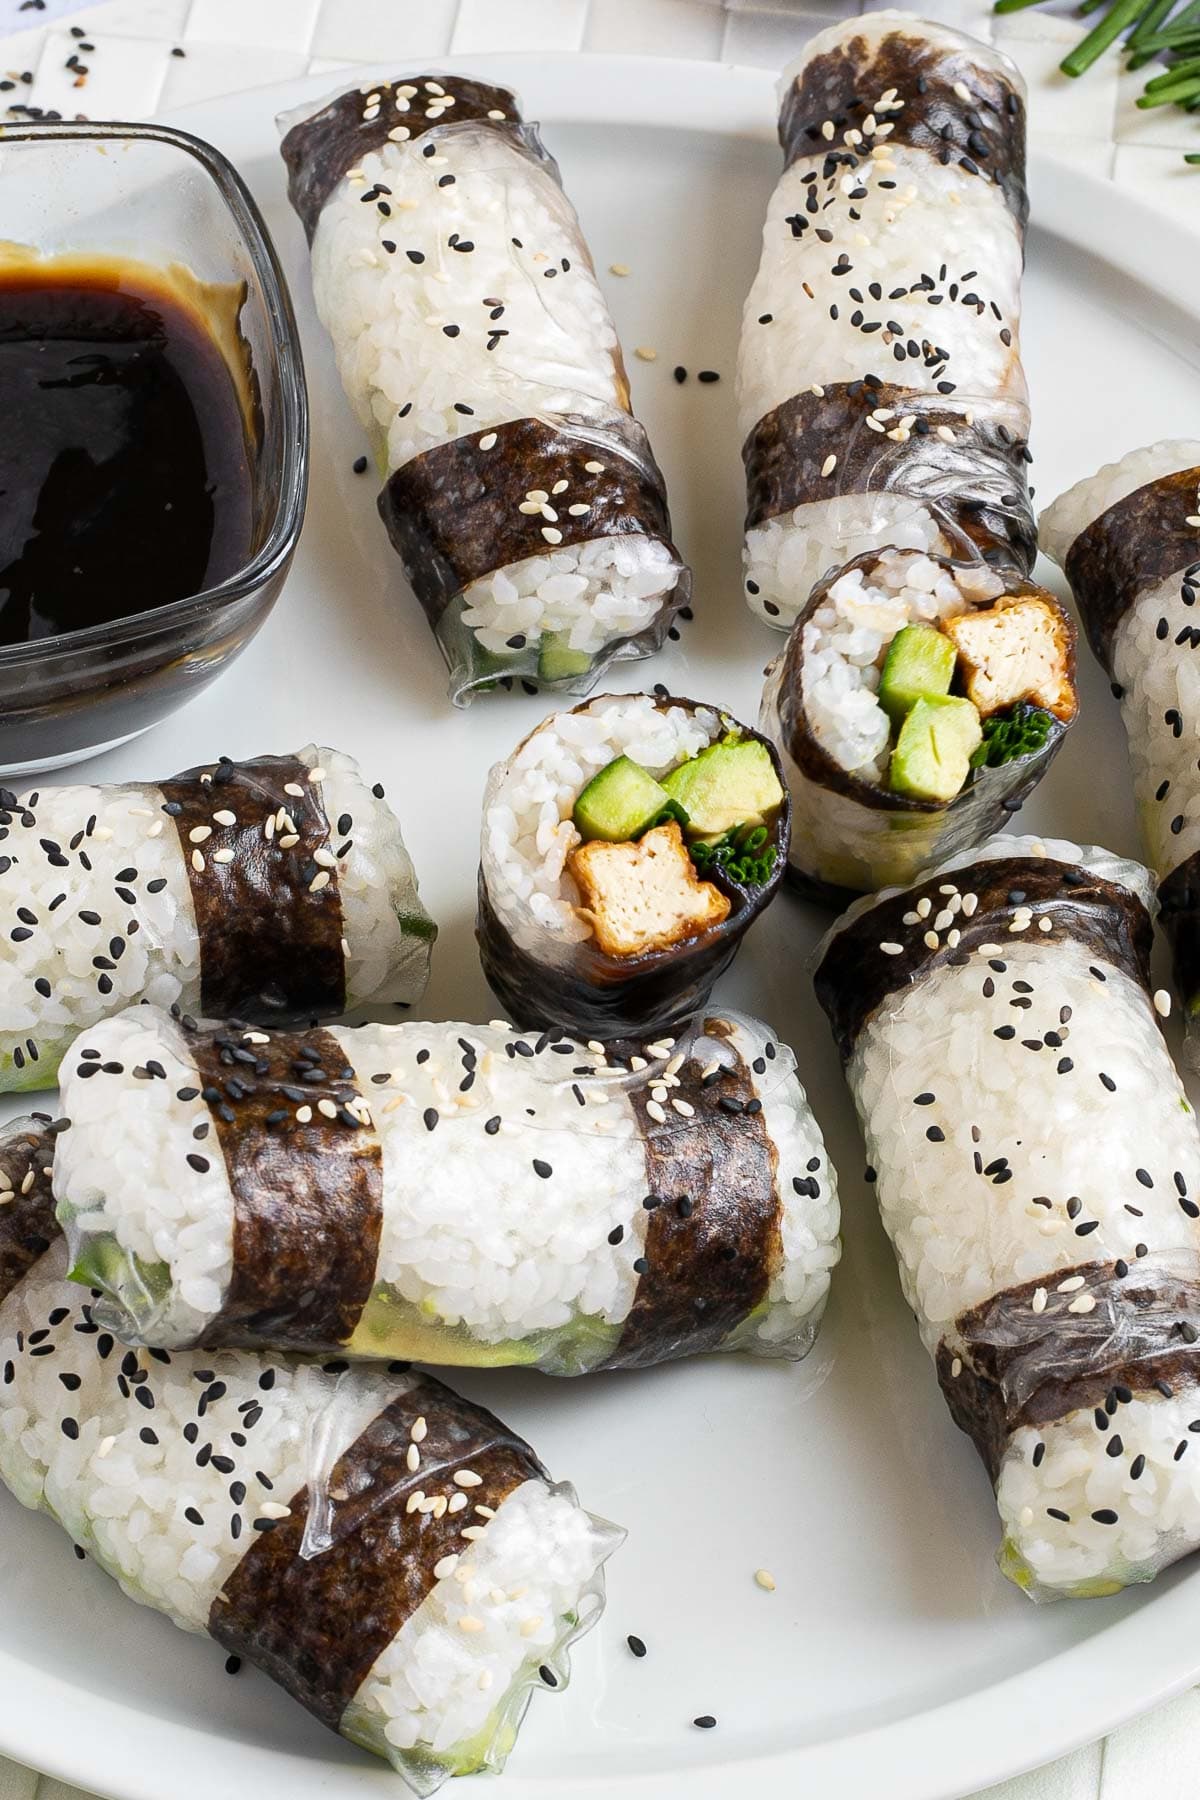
<point x="920" y="662"/>
<point x="731" y="783"/>
<point x="933" y="751"/>
<point x="619" y="803"/>
<point x="557" y="661"/>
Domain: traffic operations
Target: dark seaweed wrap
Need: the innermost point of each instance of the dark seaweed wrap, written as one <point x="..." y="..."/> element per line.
<point x="271" y="944"/>
<point x="28" y="1226"/>
<point x="579" y="987"/>
<point x="851" y="835"/>
<point x="1037" y="1167"/>
<point x="453" y="511"/>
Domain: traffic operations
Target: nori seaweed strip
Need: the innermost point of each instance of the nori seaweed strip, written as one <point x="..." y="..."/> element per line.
<point x="270" y="946"/>
<point x="984" y="133"/>
<point x="855" y="977"/>
<point x="317" y="1625"/>
<point x="453" y="515"/>
<point x="709" y="1265"/>
<point x="630" y="996"/>
<point x="319" y="150"/>
<point x="308" y="1198"/>
<point x="976" y="486"/>
<point x="990" y="793"/>
<point x="1131" y="547"/>
<point x="28" y="1225"/>
<point x="1020" y="1368"/>
<point x="1179" y="916"/>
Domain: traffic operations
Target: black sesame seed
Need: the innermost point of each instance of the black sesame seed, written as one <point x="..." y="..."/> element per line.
<point x="542" y="1168"/>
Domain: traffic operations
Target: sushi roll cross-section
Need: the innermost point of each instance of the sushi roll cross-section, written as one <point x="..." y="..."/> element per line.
<point x="478" y="351"/>
<point x="881" y="399"/>
<point x="626" y="848"/>
<point x="274" y="888"/>
<point x="1037" y="1167"/>
<point x="393" y="1556"/>
<point x="1128" y="539"/>
<point x="457" y="1193"/>
<point x="917" y="701"/>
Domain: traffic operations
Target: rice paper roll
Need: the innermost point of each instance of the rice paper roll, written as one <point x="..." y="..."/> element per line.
<point x="457" y="1193"/>
<point x="881" y="398"/>
<point x="1037" y="1166"/>
<point x="391" y="1555"/>
<point x="1128" y="539"/>
<point x="887" y="769"/>
<point x="627" y="846"/>
<point x="274" y="888"/>
<point x="479" y="354"/>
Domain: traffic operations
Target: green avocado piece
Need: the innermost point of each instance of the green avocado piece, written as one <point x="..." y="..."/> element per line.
<point x="730" y="783"/>
<point x="619" y="803"/>
<point x="920" y="662"/>
<point x="557" y="661"/>
<point x="933" y="751"/>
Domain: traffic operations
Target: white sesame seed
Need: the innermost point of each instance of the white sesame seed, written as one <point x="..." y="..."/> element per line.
<point x="457" y="1503"/>
<point x="495" y="113"/>
<point x="548" y="512"/>
<point x="7" y="1198"/>
<point x="105" y="1446"/>
<point x="962" y="90"/>
<point x="223" y="856"/>
<point x="956" y="1367"/>
<point x="415" y="1501"/>
<point x="468" y="1478"/>
<point x="946" y="435"/>
<point x="910" y="918"/>
<point x="578" y="509"/>
<point x="473" y="1531"/>
<point x="1070" y="1284"/>
<point x="953" y="938"/>
<point x="468" y="1622"/>
<point x="829" y="465"/>
<point x="931" y="940"/>
<point x="656" y="1112"/>
<point x="1046" y="925"/>
<point x="551" y="535"/>
<point x="594" y="468"/>
<point x="924" y="906"/>
<point x="1038" y="1303"/>
<point x="1193" y="519"/>
<point x="199" y="834"/>
<point x="155" y="830"/>
<point x="485" y="1512"/>
<point x="303" y="1115"/>
<point x="618" y="268"/>
<point x="892" y="949"/>
<point x="817" y="390"/>
<point x="970" y="905"/>
<point x="293" y="788"/>
<point x="438" y="1509"/>
<point x="224" y="817"/>
<point x="645" y="353"/>
<point x="827" y="130"/>
<point x="419" y="1430"/>
<point x="399" y="134"/>
<point x="274" y="1509"/>
<point x="560" y="487"/>
<point x="1019" y="925"/>
<point x="289" y="841"/>
<point x="319" y="881"/>
<point x="1162" y="1003"/>
<point x="1085" y="1304"/>
<point x="684" y="1109"/>
<point x="197" y="862"/>
<point x="765" y="1579"/>
<point x="327" y="1109"/>
<point x="488" y="441"/>
<point x="325" y="858"/>
<point x="412" y="1458"/>
<point x="944" y="918"/>
<point x="531" y="1624"/>
<point x="446" y="1566"/>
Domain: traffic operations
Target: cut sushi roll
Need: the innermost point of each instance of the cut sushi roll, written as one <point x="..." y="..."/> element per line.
<point x="273" y="888"/>
<point x="917" y="702"/>
<point x="390" y="1554"/>
<point x="1038" y="1172"/>
<point x="456" y="1193"/>
<point x="627" y="846"/>
<point x="1128" y="539"/>
<point x="478" y="352"/>
<point x="881" y="398"/>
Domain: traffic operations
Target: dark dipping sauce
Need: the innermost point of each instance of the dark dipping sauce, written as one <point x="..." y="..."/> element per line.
<point x="125" y="479"/>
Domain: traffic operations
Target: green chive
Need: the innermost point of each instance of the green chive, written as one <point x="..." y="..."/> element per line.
<point x="1117" y="19"/>
<point x="1193" y="157"/>
<point x="1089" y="6"/>
<point x="1150" y="21"/>
<point x="1173" y="74"/>
<point x="1171" y="96"/>
<point x="1011" y="6"/>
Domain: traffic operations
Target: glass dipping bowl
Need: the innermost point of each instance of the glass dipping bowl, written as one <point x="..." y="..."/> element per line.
<point x="157" y="196"/>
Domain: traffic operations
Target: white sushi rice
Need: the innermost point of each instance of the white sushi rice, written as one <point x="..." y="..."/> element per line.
<point x="961" y="1236"/>
<point x="531" y="1577"/>
<point x="930" y="224"/>
<point x="124" y="827"/>
<point x="539" y="1257"/>
<point x="528" y="833"/>
<point x="415" y="388"/>
<point x="1158" y="676"/>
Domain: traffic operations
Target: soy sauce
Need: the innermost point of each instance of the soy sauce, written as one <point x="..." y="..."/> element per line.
<point x="125" y="477"/>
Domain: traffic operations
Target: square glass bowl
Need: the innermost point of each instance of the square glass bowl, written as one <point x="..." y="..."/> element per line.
<point x="162" y="197"/>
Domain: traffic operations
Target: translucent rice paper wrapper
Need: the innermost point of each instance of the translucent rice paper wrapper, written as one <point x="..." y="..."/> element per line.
<point x="1037" y="1167"/>
<point x="382" y="1505"/>
<point x="851" y="836"/>
<point x="519" y="492"/>
<point x="693" y="1205"/>
<point x="543" y="979"/>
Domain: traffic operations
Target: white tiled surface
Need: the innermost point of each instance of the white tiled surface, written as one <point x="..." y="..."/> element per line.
<point x="231" y="44"/>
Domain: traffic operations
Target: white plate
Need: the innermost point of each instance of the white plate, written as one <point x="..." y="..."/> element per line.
<point x="892" y="1658"/>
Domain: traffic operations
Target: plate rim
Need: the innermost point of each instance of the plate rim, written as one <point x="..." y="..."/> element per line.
<point x="938" y="1752"/>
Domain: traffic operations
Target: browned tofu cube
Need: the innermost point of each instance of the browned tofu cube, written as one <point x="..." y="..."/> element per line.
<point x="1018" y="649"/>
<point x="644" y="896"/>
